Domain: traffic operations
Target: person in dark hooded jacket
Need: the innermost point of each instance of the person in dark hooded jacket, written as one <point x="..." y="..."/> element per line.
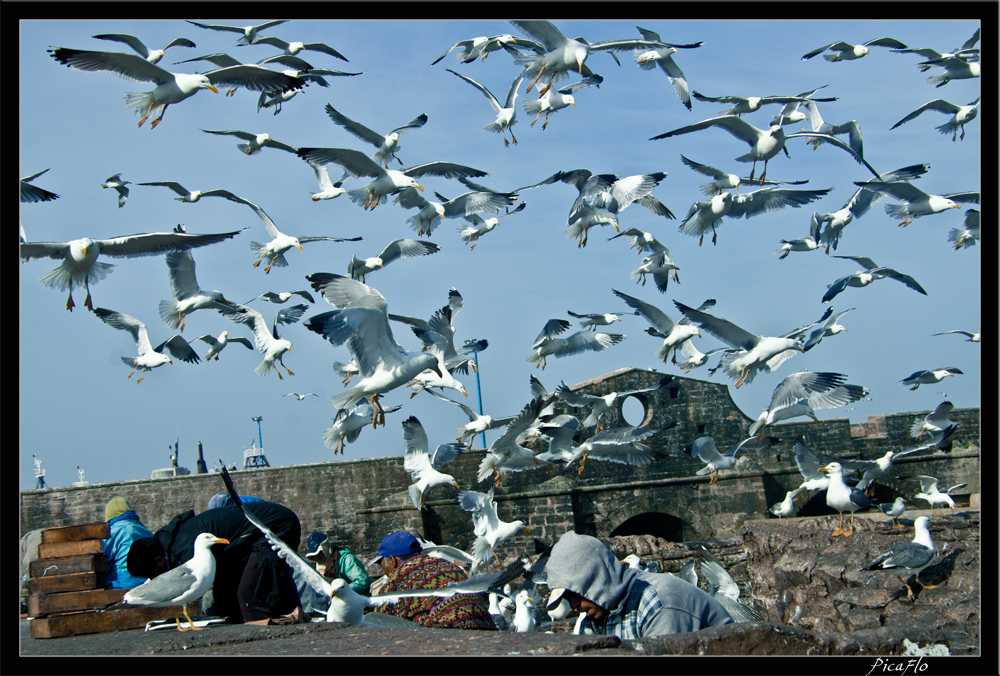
<point x="622" y="601"/>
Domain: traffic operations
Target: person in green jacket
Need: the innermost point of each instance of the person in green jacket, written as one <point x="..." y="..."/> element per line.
<point x="338" y="562"/>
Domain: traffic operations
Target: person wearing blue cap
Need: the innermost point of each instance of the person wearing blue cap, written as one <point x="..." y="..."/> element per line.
<point x="406" y="568"/>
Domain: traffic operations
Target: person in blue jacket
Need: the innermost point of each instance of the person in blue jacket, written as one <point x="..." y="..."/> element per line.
<point x="126" y="528"/>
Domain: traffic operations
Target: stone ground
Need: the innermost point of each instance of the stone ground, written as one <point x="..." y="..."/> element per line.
<point x="804" y="582"/>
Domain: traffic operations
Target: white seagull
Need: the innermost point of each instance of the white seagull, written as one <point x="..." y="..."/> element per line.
<point x="248" y="34"/>
<point x="865" y="277"/>
<point x="387" y="181"/>
<point x="362" y="323"/>
<point x="911" y="556"/>
<point x="592" y="321"/>
<point x="929" y="377"/>
<point x="674" y="334"/>
<point x="360" y="268"/>
<point x="704" y="215"/>
<point x="753" y="351"/>
<point x="436" y="344"/>
<point x="293" y="48"/>
<point x="918" y="203"/>
<point x="842" y="497"/>
<point x="422" y="465"/>
<point x="274" y="251"/>
<point x="808" y="243"/>
<point x="552" y="101"/>
<point x="79" y="256"/>
<point x="801" y="394"/>
<point x="970" y="336"/>
<point x="217" y="345"/>
<point x="620" y="445"/>
<point x="704" y="449"/>
<point x="954" y="69"/>
<point x="505" y="453"/>
<point x="477" y="47"/>
<point x="478" y="226"/>
<point x="750" y="104"/>
<point x="254" y="142"/>
<point x="477" y="423"/>
<point x="387" y="144"/>
<point x="648" y="58"/>
<point x="151" y="55"/>
<point x="32" y="193"/>
<point x="282" y="297"/>
<point x="348" y="423"/>
<point x="930" y="493"/>
<point x="463" y="206"/>
<point x="599" y="405"/>
<point x="187" y="294"/>
<point x="786" y="507"/>
<point x="489" y="529"/>
<point x="830" y="327"/>
<point x="547" y="344"/>
<point x="845" y="51"/>
<point x="181" y="585"/>
<point x="935" y="421"/>
<point x="267" y="341"/>
<point x="722" y="182"/>
<point x="442" y="322"/>
<point x="505" y="112"/>
<point x="967" y="50"/>
<point x="564" y="54"/>
<point x="860" y="202"/>
<point x="300" y="397"/>
<point x="960" y="115"/>
<point x="894" y="510"/>
<point x="855" y="139"/>
<point x="115" y="181"/>
<point x="171" y="87"/>
<point x="149" y="357"/>
<point x="963" y="238"/>
<point x="764" y="144"/>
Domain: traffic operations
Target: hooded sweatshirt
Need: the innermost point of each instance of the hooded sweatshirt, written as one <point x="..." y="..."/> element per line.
<point x="641" y="604"/>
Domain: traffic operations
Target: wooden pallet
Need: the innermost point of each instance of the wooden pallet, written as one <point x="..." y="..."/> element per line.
<point x="67" y="593"/>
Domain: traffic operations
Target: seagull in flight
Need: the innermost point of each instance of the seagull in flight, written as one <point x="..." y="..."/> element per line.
<point x="918" y="203"/>
<point x="187" y="294"/>
<point x="387" y="144"/>
<point x="845" y="51"/>
<point x="151" y="55"/>
<point x="764" y="144"/>
<point x="115" y="181"/>
<point x="505" y="111"/>
<point x="871" y="272"/>
<point x="248" y="34"/>
<point x="149" y="357"/>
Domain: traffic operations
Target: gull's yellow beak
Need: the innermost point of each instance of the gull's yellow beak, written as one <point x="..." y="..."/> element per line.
<point x="213" y="89"/>
<point x="220" y="541"/>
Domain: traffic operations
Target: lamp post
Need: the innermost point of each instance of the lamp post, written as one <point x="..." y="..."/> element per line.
<point x="257" y="420"/>
<point x="475" y="347"/>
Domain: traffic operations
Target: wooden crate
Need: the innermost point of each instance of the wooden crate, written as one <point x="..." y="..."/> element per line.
<point x="40" y="605"/>
<point x="90" y="563"/>
<point x="93" y="622"/>
<point x="84" y="531"/>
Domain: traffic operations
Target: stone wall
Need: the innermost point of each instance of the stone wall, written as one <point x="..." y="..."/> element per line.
<point x="358" y="501"/>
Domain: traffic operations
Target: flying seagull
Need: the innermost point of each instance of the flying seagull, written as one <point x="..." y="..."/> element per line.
<point x="704" y="449"/>
<point x="151" y="55"/>
<point x="505" y="111"/>
<point x="79" y="256"/>
<point x="929" y="377"/>
<point x="268" y="342"/>
<point x="424" y="466"/>
<point x="971" y="337"/>
<point x="360" y="268"/>
<point x="960" y="115"/>
<point x="217" y="345"/>
<point x="547" y="344"/>
<point x="248" y="34"/>
<point x="32" y="193"/>
<point x="599" y="405"/>
<point x="845" y="51"/>
<point x="254" y="142"/>
<point x="115" y="181"/>
<point x="764" y="144"/>
<point x="865" y="277"/>
<point x="387" y="144"/>
<point x="362" y="323"/>
<point x="918" y="203"/>
<point x="187" y="294"/>
<point x="348" y="423"/>
<point x="674" y="334"/>
<point x="661" y="55"/>
<point x="171" y="87"/>
<point x="149" y="357"/>
<point x="801" y="394"/>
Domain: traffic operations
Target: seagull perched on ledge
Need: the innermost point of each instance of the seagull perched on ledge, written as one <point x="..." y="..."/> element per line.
<point x="912" y="556"/>
<point x="842" y="497"/>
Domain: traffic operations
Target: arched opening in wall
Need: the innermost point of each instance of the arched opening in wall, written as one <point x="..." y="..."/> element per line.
<point x="633" y="411"/>
<point x="652" y="523"/>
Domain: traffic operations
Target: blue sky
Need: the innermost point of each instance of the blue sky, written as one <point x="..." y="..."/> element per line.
<point x="78" y="408"/>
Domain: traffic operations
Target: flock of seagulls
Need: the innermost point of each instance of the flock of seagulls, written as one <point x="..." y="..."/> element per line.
<point x="518" y="278"/>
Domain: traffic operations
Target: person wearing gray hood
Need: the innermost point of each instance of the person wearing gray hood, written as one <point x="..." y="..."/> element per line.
<point x="622" y="601"/>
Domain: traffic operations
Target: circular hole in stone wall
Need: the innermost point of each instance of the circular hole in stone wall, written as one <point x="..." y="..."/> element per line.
<point x="633" y="411"/>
